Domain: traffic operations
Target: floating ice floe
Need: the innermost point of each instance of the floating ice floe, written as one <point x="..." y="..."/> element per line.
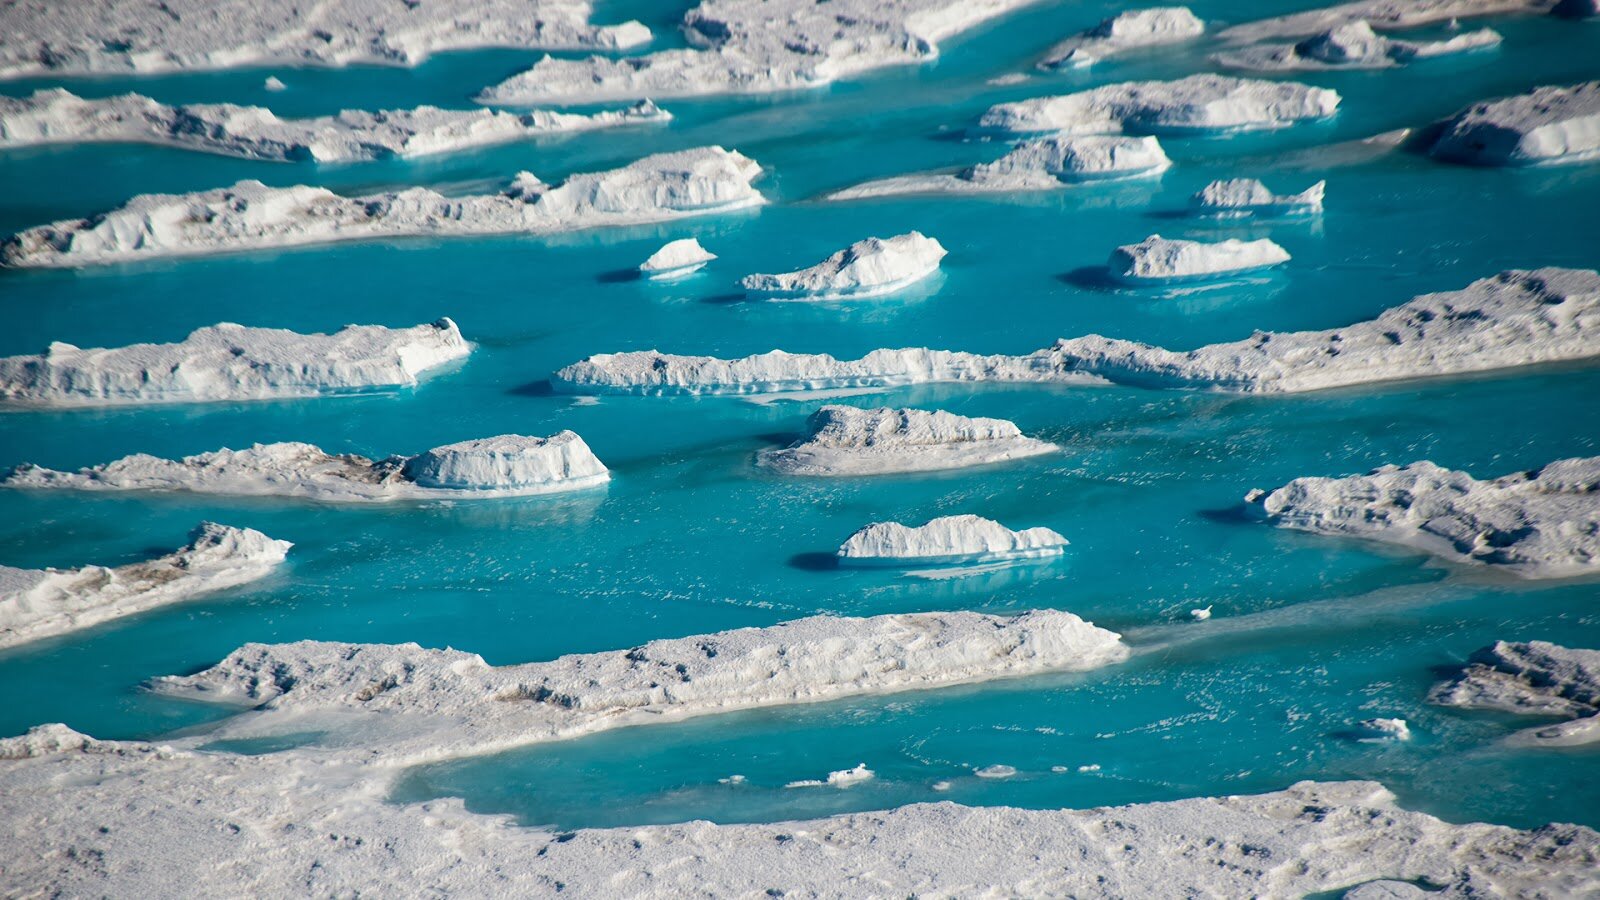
<point x="1158" y="260"/>
<point x="1129" y="30"/>
<point x="1516" y="318"/>
<point x="1536" y="678"/>
<point x="1240" y="197"/>
<point x="869" y="268"/>
<point x="1353" y="45"/>
<point x="842" y="778"/>
<point x="253" y="216"/>
<point x="947" y="540"/>
<point x="676" y="259"/>
<point x="229" y="362"/>
<point x="505" y="466"/>
<point x="1544" y="126"/>
<point x="1196" y="103"/>
<point x="274" y="83"/>
<point x="1539" y="524"/>
<point x="106" y="36"/>
<point x="996" y="772"/>
<point x="41" y="603"/>
<point x="1038" y="164"/>
<point x="57" y="116"/>
<point x="1377" y="731"/>
<point x="1384" y="15"/>
<point x="846" y="441"/>
<point x="1200" y="615"/>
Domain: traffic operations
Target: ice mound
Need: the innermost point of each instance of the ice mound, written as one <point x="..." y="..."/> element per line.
<point x="107" y="36"/>
<point x="1516" y="318"/>
<point x="1540" y="524"/>
<point x="1157" y="260"/>
<point x="1196" y="103"/>
<point x="842" y="778"/>
<point x="253" y="216"/>
<point x="676" y="259"/>
<point x="1535" y="678"/>
<point x="229" y="362"/>
<point x="1546" y="125"/>
<point x="1240" y="197"/>
<point x="508" y="463"/>
<point x="41" y="603"/>
<point x="757" y="47"/>
<point x="1384" y="15"/>
<point x="1038" y="164"/>
<point x="947" y="540"/>
<point x="846" y="441"/>
<point x="1126" y="31"/>
<point x="868" y="268"/>
<point x="57" y="116"/>
<point x="1353" y="45"/>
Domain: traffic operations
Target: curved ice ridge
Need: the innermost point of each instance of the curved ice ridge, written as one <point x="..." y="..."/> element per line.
<point x="1240" y="197"/>
<point x="868" y="268"/>
<point x="1353" y="45"/>
<point x="1384" y="15"/>
<point x="229" y="362"/>
<point x="505" y="466"/>
<point x="1536" y="678"/>
<point x="1196" y="103"/>
<point x="253" y="216"/>
<point x="1546" y="125"/>
<point x="57" y="116"/>
<point x="946" y="540"/>
<point x="1129" y="30"/>
<point x="846" y="441"/>
<point x="756" y="47"/>
<point x="1038" y="164"/>
<point x="1539" y="524"/>
<point x="41" y="603"/>
<point x="109" y="36"/>
<point x="1516" y="318"/>
<point x="1159" y="260"/>
<point x="676" y="259"/>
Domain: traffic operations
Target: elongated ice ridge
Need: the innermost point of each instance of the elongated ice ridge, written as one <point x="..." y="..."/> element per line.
<point x="253" y="216"/>
<point x="1540" y="524"/>
<point x="1383" y="15"/>
<point x="847" y="441"/>
<point x="57" y="116"/>
<point x="1241" y="197"/>
<point x="1516" y="318"/>
<point x="1535" y="678"/>
<point x="1547" y="125"/>
<point x="868" y="268"/>
<point x="41" y="603"/>
<point x="1196" y="103"/>
<point x="676" y="259"/>
<point x="229" y="362"/>
<point x="109" y="36"/>
<point x="1353" y="45"/>
<point x="1131" y="30"/>
<point x="1159" y="260"/>
<point x="505" y="466"/>
<point x="947" y="540"/>
<point x="1037" y="164"/>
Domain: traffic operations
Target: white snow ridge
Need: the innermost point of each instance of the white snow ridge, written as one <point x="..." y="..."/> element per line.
<point x="868" y="268"/>
<point x="1158" y="260"/>
<point x="1540" y="524"/>
<point x="505" y="466"/>
<point x="676" y="259"/>
<point x="1547" y="125"/>
<point x="846" y="441"/>
<point x="947" y="540"/>
<point x="1353" y="45"/>
<point x="1130" y="30"/>
<point x="1240" y="197"/>
<point x="1536" y="678"/>
<point x="1197" y="103"/>
<point x="41" y="603"/>
<point x="1037" y="164"/>
<point x="253" y="216"/>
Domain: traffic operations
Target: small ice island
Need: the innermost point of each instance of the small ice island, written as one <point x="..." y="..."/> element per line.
<point x="1158" y="260"/>
<point x="1037" y="164"/>
<point x="41" y="603"/>
<point x="1198" y="103"/>
<point x="1353" y="45"/>
<point x="676" y="259"/>
<point x="1536" y="678"/>
<point x="229" y="362"/>
<point x="1545" y="126"/>
<point x="947" y="540"/>
<point x="846" y="441"/>
<point x="868" y="268"/>
<point x="1235" y="198"/>
<point x="1135" y="29"/>
<point x="509" y="465"/>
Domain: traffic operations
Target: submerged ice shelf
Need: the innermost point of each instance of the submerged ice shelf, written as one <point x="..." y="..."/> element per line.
<point x="1242" y="197"/>
<point x="847" y="441"/>
<point x="947" y="540"/>
<point x="1536" y="678"/>
<point x="1353" y="45"/>
<point x="1131" y="30"/>
<point x="868" y="268"/>
<point x="253" y="216"/>
<point x="1038" y="164"/>
<point x="1196" y="103"/>
<point x="1159" y="260"/>
<point x="1544" y="126"/>
<point x="41" y="603"/>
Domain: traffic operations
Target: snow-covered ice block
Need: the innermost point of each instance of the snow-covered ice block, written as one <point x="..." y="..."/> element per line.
<point x="1037" y="164"/>
<point x="1353" y="45"/>
<point x="676" y="259"/>
<point x="1544" y="126"/>
<point x="947" y="540"/>
<point x="846" y="441"/>
<point x="1214" y="103"/>
<point x="1158" y="260"/>
<point x="41" y="603"/>
<point x="868" y="268"/>
<point x="1535" y="678"/>
<point x="1129" y="30"/>
<point x="1240" y="197"/>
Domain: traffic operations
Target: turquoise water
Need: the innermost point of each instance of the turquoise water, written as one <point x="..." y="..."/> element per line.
<point x="1310" y="636"/>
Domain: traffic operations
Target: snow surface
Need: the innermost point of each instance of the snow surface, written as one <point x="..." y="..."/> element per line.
<point x="1516" y="318"/>
<point x="1536" y="678"/>
<point x="1383" y="15"/>
<point x="1352" y="45"/>
<point x="42" y="603"/>
<point x="1159" y="260"/>
<point x="253" y="216"/>
<point x="1544" y="126"/>
<point x="1240" y="197"/>
<point x="847" y="441"/>
<point x="1129" y="30"/>
<point x="872" y="267"/>
<point x="676" y="259"/>
<point x="946" y="540"/>
<point x="1540" y="524"/>
<point x="1196" y="103"/>
<point x="1037" y="164"/>
<point x="57" y="116"/>
<point x="229" y="362"/>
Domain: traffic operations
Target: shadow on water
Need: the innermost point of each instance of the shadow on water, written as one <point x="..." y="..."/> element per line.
<point x="618" y="276"/>
<point x="540" y="388"/>
<point x="726" y="299"/>
<point x="814" y="562"/>
<point x="1094" y="278"/>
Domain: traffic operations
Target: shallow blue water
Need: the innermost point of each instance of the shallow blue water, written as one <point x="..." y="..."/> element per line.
<point x="689" y="538"/>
